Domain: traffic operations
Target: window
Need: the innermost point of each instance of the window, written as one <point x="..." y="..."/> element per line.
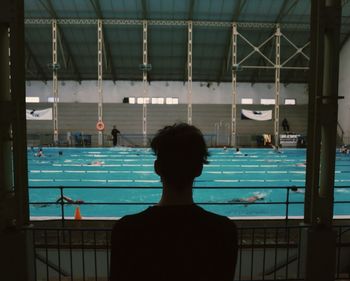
<point x="290" y="101"/>
<point x="33" y="99"/>
<point x="140" y="100"/>
<point x="267" y="101"/>
<point x="157" y="100"/>
<point x="172" y="100"/>
<point x="246" y="101"/>
<point x="132" y="100"/>
<point x="52" y="99"/>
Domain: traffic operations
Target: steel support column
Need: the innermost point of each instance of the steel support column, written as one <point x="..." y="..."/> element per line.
<point x="277" y="84"/>
<point x="145" y="82"/>
<point x="323" y="111"/>
<point x="16" y="253"/>
<point x="99" y="78"/>
<point x="189" y="73"/>
<point x="234" y="86"/>
<point x="6" y="176"/>
<point x="54" y="81"/>
<point x="320" y="245"/>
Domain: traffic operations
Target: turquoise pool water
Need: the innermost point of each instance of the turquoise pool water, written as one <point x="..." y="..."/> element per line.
<point x="261" y="172"/>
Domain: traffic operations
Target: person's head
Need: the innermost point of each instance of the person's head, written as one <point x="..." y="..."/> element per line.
<point x="114" y="127"/>
<point x="237" y="149"/>
<point x="181" y="152"/>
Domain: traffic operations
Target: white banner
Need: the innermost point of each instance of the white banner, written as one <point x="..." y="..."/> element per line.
<point x="258" y="115"/>
<point x="42" y="114"/>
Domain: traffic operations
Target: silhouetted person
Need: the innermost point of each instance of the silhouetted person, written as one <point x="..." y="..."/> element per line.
<point x="175" y="239"/>
<point x="285" y="125"/>
<point x="114" y="134"/>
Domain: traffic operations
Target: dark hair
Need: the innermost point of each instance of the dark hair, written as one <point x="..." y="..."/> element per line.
<point x="181" y="151"/>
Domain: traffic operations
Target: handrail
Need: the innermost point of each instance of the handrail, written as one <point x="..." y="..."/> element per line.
<point x="285" y="202"/>
<point x="62" y="203"/>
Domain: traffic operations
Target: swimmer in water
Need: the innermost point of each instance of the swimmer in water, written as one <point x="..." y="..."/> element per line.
<point x="68" y="200"/>
<point x="301" y="164"/>
<point x="96" y="163"/>
<point x="238" y="151"/>
<point x="40" y="153"/>
<point x="276" y="148"/>
<point x="296" y="190"/>
<point x="248" y="200"/>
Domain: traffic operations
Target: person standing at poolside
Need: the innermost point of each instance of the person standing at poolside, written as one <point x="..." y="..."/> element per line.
<point x="175" y="239"/>
<point x="285" y="125"/>
<point x="114" y="134"/>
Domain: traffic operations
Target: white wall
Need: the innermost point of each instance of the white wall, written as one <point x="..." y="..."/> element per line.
<point x="70" y="91"/>
<point x="344" y="90"/>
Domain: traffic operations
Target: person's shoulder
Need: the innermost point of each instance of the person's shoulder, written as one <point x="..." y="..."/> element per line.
<point x="131" y="220"/>
<point x="218" y="220"/>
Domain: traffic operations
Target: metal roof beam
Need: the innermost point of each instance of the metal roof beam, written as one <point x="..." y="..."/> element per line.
<point x="286" y="8"/>
<point x="38" y="67"/>
<point x="226" y="61"/>
<point x="106" y="46"/>
<point x="51" y="11"/>
<point x="190" y="16"/>
<point x="145" y="17"/>
<point x="215" y="24"/>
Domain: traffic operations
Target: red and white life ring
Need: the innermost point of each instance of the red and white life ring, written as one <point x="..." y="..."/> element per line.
<point x="100" y="126"/>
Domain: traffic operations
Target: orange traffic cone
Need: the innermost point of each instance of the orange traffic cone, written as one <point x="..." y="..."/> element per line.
<point x="77" y="214"/>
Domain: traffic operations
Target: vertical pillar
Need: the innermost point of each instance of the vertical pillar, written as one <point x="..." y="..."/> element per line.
<point x="54" y="81"/>
<point x="189" y="73"/>
<point x="6" y="176"/>
<point x="99" y="78"/>
<point x="234" y="86"/>
<point x="320" y="239"/>
<point x="16" y="251"/>
<point x="277" y="83"/>
<point x="144" y="81"/>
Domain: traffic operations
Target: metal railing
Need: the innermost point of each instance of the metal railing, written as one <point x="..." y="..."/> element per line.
<point x="265" y="253"/>
<point x="282" y="214"/>
<point x="287" y="202"/>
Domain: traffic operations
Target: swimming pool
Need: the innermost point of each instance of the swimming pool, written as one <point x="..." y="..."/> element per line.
<point x="114" y="182"/>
